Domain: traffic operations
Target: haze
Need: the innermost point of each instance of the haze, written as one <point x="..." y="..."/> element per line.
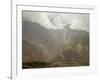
<point x="58" y="20"/>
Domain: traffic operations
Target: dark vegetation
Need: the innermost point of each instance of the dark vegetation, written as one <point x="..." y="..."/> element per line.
<point x="47" y="65"/>
<point x="35" y="65"/>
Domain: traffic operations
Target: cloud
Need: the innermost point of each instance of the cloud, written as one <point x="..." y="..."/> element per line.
<point x="58" y="20"/>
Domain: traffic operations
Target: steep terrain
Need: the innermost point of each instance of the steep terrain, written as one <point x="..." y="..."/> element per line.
<point x="42" y="47"/>
<point x="39" y="38"/>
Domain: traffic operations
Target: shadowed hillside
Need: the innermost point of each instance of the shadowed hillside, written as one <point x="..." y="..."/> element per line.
<point x="38" y="41"/>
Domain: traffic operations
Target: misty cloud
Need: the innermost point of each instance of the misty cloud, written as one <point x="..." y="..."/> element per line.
<point x="58" y="20"/>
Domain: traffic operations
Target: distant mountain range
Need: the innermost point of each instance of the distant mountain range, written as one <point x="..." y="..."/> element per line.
<point x="54" y="45"/>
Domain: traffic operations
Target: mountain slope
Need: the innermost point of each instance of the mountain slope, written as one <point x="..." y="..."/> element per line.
<point x="60" y="47"/>
<point x="34" y="33"/>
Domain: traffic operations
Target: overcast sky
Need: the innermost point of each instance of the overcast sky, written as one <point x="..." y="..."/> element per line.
<point x="58" y="20"/>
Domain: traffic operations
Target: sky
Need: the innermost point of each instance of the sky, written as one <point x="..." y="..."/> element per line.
<point x="52" y="20"/>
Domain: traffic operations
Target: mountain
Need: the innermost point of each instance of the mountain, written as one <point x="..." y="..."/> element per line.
<point x="39" y="38"/>
<point x="76" y="46"/>
<point x="54" y="47"/>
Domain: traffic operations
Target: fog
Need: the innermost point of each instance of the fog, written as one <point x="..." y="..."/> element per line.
<point x="58" y="20"/>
